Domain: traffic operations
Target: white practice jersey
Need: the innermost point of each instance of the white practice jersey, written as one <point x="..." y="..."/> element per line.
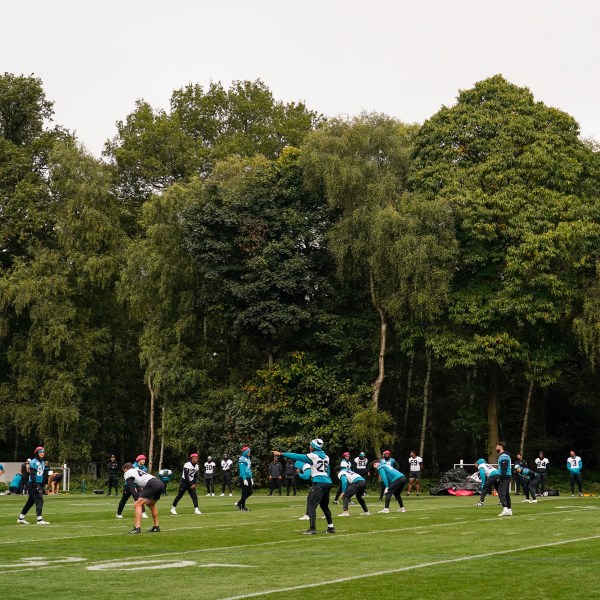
<point x="487" y="469"/>
<point x="319" y="466"/>
<point x="351" y="476"/>
<point x="226" y="464"/>
<point x="345" y="464"/>
<point x="361" y="463"/>
<point x="542" y="463"/>
<point x="209" y="468"/>
<point x="192" y="472"/>
<point x="140" y="478"/>
<point x="415" y="463"/>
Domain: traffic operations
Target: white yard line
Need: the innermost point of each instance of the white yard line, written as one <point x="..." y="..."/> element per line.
<point x="410" y="568"/>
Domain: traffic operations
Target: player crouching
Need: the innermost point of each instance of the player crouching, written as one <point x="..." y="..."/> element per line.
<point x="151" y="491"/>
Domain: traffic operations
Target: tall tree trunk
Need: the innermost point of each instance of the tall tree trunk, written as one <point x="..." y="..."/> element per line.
<point x="382" y="343"/>
<point x="492" y="416"/>
<point x="526" y="418"/>
<point x="426" y="389"/>
<point x="151" y="428"/>
<point x="205" y="327"/>
<point x="270" y="360"/>
<point x="162" y="439"/>
<point x="407" y="403"/>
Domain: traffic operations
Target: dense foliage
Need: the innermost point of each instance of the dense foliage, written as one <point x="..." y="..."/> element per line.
<point x="240" y="270"/>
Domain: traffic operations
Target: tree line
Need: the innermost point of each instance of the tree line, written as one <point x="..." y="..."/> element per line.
<point x="243" y="270"/>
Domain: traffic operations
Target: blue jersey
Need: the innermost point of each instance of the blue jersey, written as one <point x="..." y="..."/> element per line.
<point x="318" y="462"/>
<point x="16" y="481"/>
<point x="136" y="465"/>
<point x="245" y="466"/>
<point x="36" y="470"/>
<point x="528" y="474"/>
<point x="388" y="474"/>
<point x="574" y="464"/>
<point x="304" y="470"/>
<point x="504" y="464"/>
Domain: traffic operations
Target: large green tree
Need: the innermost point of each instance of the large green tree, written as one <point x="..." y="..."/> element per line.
<point x="519" y="181"/>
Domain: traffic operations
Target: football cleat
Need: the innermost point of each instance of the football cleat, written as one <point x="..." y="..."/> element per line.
<point x="42" y="522"/>
<point x="344" y="514"/>
<point x="478" y="504"/>
<point x="304" y="518"/>
<point x="384" y="511"/>
<point x="173" y="510"/>
<point x="401" y="509"/>
<point x="136" y="530"/>
<point x="330" y="530"/>
<point x="118" y="516"/>
<point x="155" y="529"/>
<point x="144" y="515"/>
<point x="365" y="514"/>
<point x="22" y="522"/>
<point x="310" y="532"/>
<point x="197" y="511"/>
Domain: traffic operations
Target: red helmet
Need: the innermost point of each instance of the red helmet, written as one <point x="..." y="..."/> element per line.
<point x="194" y="455"/>
<point x="346" y="455"/>
<point x="140" y="457"/>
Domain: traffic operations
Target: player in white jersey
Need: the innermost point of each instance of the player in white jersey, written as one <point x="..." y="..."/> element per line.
<point x="209" y="476"/>
<point x="151" y="489"/>
<point x="541" y="466"/>
<point x="415" y="464"/>
<point x="188" y="483"/>
<point x="226" y="465"/>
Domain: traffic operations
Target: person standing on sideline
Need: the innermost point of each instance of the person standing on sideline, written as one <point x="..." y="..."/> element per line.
<point x="140" y="465"/>
<point x="386" y="457"/>
<point x="344" y="464"/>
<point x="541" y="465"/>
<point x="113" y="470"/>
<point x="415" y="464"/>
<point x="321" y="483"/>
<point x="352" y="484"/>
<point x="531" y="480"/>
<point x="246" y="481"/>
<point x="209" y="476"/>
<point x="226" y="465"/>
<point x="505" y="468"/>
<point x="152" y="489"/>
<point x="574" y="466"/>
<point x="521" y="462"/>
<point x="35" y="488"/>
<point x="489" y="476"/>
<point x="275" y="475"/>
<point x="188" y="483"/>
<point x="362" y="466"/>
<point x="289" y="476"/>
<point x="394" y="482"/>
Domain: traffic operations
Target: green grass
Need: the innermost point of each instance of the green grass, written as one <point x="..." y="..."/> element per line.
<point x="442" y="547"/>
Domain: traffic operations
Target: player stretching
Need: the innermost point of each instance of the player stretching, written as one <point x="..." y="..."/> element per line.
<point x="394" y="484"/>
<point x="151" y="491"/>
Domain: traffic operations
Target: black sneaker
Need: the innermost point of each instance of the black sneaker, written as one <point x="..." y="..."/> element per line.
<point x="155" y="529"/>
<point x="310" y="532"/>
<point x="136" y="530"/>
<point x="330" y="530"/>
<point x="336" y="502"/>
<point x="245" y="509"/>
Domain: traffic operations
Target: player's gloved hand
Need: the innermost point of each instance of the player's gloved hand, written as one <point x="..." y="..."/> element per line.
<point x="252" y="480"/>
<point x="245" y="482"/>
<point x="39" y="489"/>
<point x="385" y="491"/>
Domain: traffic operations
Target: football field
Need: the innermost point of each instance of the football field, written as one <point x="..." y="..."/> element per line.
<point x="442" y="547"/>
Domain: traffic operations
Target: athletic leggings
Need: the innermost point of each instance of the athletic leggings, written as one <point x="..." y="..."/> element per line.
<point x="395" y="489"/>
<point x="319" y="496"/>
<point x="246" y="492"/>
<point x="35" y="497"/>
<point x="183" y="488"/>
<point x="357" y="489"/>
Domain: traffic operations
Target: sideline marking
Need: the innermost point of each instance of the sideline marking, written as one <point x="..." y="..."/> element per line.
<point x="410" y="568"/>
<point x="164" y="563"/>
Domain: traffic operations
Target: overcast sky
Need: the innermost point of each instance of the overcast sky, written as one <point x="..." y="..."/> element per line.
<point x="404" y="58"/>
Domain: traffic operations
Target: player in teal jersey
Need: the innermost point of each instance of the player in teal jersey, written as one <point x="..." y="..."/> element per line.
<point x="35" y="488"/>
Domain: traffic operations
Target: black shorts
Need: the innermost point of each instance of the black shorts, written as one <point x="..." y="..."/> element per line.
<point x="153" y="490"/>
<point x="414" y="474"/>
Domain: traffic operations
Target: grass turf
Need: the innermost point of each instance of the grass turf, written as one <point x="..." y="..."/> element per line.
<point x="441" y="547"/>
